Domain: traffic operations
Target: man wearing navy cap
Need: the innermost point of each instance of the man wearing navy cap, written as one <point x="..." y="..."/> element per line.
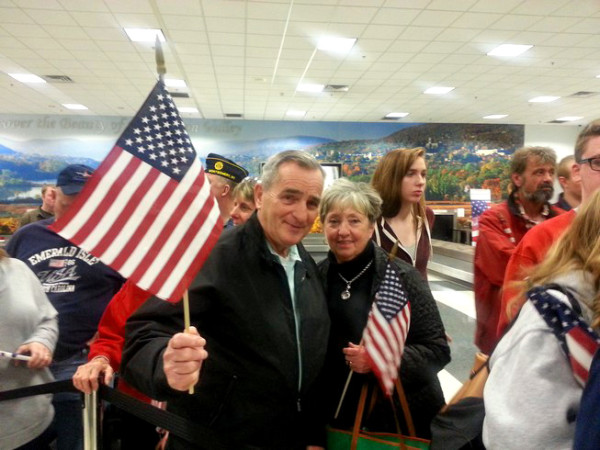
<point x="223" y="175"/>
<point x="79" y="287"/>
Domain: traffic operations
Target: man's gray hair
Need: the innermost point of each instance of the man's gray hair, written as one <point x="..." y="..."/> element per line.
<point x="344" y="193"/>
<point x="271" y="168"/>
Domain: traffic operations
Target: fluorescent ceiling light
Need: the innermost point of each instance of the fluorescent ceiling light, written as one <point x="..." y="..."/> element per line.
<point x="509" y="50"/>
<point x="188" y="109"/>
<point x="75" y="106"/>
<point x="396" y="115"/>
<point x="309" y="87"/>
<point x="570" y="118"/>
<point x="597" y="76"/>
<point x="173" y="83"/>
<point x="144" y="34"/>
<point x="543" y="99"/>
<point x="495" y="116"/>
<point x="27" y="78"/>
<point x="295" y="113"/>
<point x="334" y="44"/>
<point x="438" y="90"/>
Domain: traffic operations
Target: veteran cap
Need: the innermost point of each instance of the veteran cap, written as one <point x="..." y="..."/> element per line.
<point x="226" y="168"/>
<point x="72" y="178"/>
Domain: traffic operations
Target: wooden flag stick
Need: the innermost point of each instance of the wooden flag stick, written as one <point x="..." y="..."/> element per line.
<point x="186" y="321"/>
<point x="339" y="406"/>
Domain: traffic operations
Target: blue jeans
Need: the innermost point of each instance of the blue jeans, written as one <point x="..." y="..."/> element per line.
<point x="68" y="406"/>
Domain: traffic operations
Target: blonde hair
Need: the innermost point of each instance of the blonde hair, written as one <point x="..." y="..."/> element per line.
<point x="387" y="180"/>
<point x="577" y="249"/>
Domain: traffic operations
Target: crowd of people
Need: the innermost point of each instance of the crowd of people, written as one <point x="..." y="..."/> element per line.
<point x="276" y="350"/>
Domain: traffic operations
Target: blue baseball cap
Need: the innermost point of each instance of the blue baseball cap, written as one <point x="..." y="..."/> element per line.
<point x="72" y="178"/>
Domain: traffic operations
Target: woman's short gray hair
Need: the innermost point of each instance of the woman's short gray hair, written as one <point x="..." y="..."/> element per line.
<point x="271" y="168"/>
<point x="344" y="193"/>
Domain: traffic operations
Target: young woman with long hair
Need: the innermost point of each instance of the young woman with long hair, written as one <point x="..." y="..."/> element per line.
<point x="400" y="179"/>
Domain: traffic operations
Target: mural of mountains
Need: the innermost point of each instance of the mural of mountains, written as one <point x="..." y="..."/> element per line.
<point x="21" y="168"/>
<point x="490" y="135"/>
<point x="270" y="146"/>
<point x="6" y="151"/>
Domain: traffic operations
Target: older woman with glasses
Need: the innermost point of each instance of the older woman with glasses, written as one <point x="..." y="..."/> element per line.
<point x="352" y="273"/>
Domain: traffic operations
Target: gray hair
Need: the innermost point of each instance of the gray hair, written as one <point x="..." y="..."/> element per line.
<point x="271" y="168"/>
<point x="344" y="193"/>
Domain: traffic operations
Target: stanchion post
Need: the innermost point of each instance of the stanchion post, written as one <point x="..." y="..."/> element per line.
<point x="90" y="421"/>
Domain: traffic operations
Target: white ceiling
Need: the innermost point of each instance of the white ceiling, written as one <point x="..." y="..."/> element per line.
<point x="247" y="57"/>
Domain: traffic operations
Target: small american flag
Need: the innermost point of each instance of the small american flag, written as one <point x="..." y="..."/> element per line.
<point x="477" y="208"/>
<point x="387" y="327"/>
<point x="147" y="211"/>
<point x="577" y="339"/>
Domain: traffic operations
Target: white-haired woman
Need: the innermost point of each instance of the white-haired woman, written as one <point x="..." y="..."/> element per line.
<point x="352" y="273"/>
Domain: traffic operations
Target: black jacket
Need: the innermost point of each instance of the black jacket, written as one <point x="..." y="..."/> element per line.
<point x="249" y="385"/>
<point x="425" y="354"/>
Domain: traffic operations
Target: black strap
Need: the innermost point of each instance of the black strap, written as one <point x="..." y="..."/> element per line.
<point x="48" y="388"/>
<point x="177" y="425"/>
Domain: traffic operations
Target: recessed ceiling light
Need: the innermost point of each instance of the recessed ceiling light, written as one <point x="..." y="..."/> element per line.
<point x="27" y="78"/>
<point x="495" y="116"/>
<point x="310" y="87"/>
<point x="145" y="34"/>
<point x="570" y="118"/>
<point x="543" y="99"/>
<point x="333" y="44"/>
<point x="295" y="113"/>
<point x="396" y="115"/>
<point x="597" y="76"/>
<point x="173" y="83"/>
<point x="438" y="90"/>
<point x="509" y="50"/>
<point x="188" y="109"/>
<point x="75" y="106"/>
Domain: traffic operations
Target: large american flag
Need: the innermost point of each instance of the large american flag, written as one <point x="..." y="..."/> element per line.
<point x="387" y="326"/>
<point x="577" y="339"/>
<point x="147" y="211"/>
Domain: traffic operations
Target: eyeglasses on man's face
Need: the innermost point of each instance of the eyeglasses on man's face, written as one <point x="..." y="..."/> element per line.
<point x="594" y="162"/>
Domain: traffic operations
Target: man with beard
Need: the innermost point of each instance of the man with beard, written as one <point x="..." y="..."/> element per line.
<point x="585" y="173"/>
<point x="502" y="227"/>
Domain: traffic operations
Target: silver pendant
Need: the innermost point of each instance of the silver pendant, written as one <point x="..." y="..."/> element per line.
<point x="345" y="294"/>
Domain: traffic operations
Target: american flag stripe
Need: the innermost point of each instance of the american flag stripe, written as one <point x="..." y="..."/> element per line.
<point x="175" y="217"/>
<point x="581" y="351"/>
<point x="147" y="211"/>
<point x="195" y="227"/>
<point x="139" y="202"/>
<point x="387" y="328"/>
<point x="577" y="339"/>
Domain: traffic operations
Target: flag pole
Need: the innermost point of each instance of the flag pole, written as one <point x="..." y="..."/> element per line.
<point x="161" y="69"/>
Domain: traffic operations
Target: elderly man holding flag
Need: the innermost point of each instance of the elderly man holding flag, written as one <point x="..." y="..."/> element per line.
<point x="260" y="308"/>
<point x="385" y="323"/>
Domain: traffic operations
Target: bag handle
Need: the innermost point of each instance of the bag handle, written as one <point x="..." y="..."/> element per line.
<point x="405" y="409"/>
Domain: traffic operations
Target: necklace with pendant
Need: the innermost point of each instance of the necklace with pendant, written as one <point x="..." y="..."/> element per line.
<point x="346" y="293"/>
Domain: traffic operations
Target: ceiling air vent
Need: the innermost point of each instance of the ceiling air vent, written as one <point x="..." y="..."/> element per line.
<point x="179" y="94"/>
<point x="557" y="121"/>
<point x="583" y="94"/>
<point x="336" y="88"/>
<point x="233" y="116"/>
<point x="57" y="79"/>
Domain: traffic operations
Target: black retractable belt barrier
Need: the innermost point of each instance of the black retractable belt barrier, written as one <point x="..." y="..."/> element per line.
<point x="175" y="424"/>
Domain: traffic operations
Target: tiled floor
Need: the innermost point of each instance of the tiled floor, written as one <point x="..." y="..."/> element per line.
<point x="456" y="305"/>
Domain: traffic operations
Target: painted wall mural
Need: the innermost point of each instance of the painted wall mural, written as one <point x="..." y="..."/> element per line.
<point x="33" y="149"/>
